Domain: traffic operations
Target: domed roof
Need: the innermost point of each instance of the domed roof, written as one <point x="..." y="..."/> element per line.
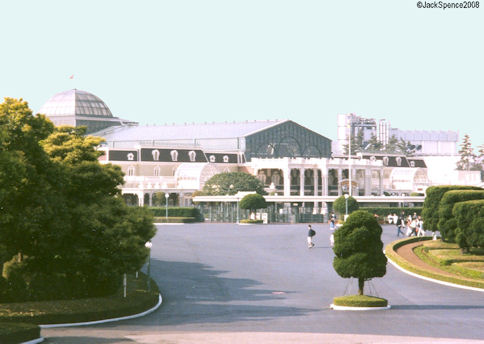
<point x="75" y="103"/>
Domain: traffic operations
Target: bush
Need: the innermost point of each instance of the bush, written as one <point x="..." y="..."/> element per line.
<point x="12" y="333"/>
<point x="188" y="212"/>
<point x="358" y="249"/>
<point x="339" y="205"/>
<point x="447" y="223"/>
<point x="430" y="212"/>
<point x="253" y="201"/>
<point x="360" y="301"/>
<point x="173" y="219"/>
<point x="251" y="221"/>
<point x="470" y="224"/>
<point x="416" y="194"/>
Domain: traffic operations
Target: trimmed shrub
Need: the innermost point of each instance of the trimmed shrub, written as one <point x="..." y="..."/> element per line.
<point x="186" y="212"/>
<point x="470" y="224"/>
<point x="358" y="249"/>
<point x="12" y="333"/>
<point x="339" y="205"/>
<point x="253" y="201"/>
<point x="251" y="221"/>
<point x="430" y="212"/>
<point x="447" y="222"/>
<point x="173" y="219"/>
<point x="359" y="301"/>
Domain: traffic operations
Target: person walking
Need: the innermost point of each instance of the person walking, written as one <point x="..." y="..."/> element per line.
<point x="400" y="223"/>
<point x="311" y="233"/>
<point x="420" y="229"/>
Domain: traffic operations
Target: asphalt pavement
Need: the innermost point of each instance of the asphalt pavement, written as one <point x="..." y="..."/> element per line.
<point x="262" y="284"/>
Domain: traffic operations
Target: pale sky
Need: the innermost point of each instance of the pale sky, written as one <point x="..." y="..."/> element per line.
<point x="182" y="61"/>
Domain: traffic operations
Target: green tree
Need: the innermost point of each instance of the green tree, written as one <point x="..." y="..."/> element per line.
<point x="374" y="145"/>
<point x="358" y="249"/>
<point x="339" y="205"/>
<point x="466" y="154"/>
<point x="392" y="146"/>
<point x="356" y="144"/>
<point x="470" y="224"/>
<point x="253" y="202"/>
<point x="229" y="183"/>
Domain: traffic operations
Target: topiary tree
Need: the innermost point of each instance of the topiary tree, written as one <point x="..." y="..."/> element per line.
<point x="339" y="205"/>
<point x="229" y="183"/>
<point x="358" y="249"/>
<point x="470" y="224"/>
<point x="447" y="222"/>
<point x="430" y="211"/>
<point x="253" y="202"/>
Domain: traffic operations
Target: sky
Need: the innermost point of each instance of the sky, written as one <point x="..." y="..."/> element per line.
<point x="180" y="61"/>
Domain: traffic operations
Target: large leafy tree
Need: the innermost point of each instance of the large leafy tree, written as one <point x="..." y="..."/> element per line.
<point x="253" y="202"/>
<point x="61" y="215"/>
<point x="229" y="183"/>
<point x="339" y="205"/>
<point x="358" y="249"/>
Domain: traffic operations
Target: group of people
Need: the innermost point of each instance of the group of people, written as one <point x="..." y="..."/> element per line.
<point x="411" y="225"/>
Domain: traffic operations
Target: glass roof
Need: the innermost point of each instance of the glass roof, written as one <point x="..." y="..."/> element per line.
<point x="74" y="103"/>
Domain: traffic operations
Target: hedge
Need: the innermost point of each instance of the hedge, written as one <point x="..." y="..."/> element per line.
<point x="251" y="221"/>
<point x="385" y="211"/>
<point x="447" y="222"/>
<point x="359" y="301"/>
<point x="470" y="223"/>
<point x="12" y="333"/>
<point x="177" y="212"/>
<point x="430" y="212"/>
<point x="163" y="219"/>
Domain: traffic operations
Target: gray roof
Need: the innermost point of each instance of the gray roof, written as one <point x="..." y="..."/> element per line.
<point x="191" y="131"/>
<point x="75" y="103"/>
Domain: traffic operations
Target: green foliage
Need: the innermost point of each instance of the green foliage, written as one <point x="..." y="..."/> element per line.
<point x="466" y="154"/>
<point x="251" y="221"/>
<point x="447" y="223"/>
<point x="229" y="183"/>
<point x="252" y="202"/>
<point x="138" y="299"/>
<point x="358" y="248"/>
<point x="12" y="333"/>
<point x="359" y="301"/>
<point x="174" y="219"/>
<point x="339" y="205"/>
<point x="62" y="218"/>
<point x="430" y="211"/>
<point x="470" y="224"/>
<point x="187" y="212"/>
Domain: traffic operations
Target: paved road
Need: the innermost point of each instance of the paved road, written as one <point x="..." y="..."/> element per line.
<point x="262" y="284"/>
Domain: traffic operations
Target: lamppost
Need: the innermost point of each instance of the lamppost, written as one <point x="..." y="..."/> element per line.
<point x="346" y="202"/>
<point x="148" y="245"/>
<point x="167" y="195"/>
<point x="349" y="159"/>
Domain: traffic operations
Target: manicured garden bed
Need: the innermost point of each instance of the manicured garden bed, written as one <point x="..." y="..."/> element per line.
<point x="390" y="251"/>
<point x="359" y="301"/>
<point x="251" y="221"/>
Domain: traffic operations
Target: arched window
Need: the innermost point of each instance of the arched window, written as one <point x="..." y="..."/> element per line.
<point x="157" y="171"/>
<point x="130" y="171"/>
<point x="156" y="154"/>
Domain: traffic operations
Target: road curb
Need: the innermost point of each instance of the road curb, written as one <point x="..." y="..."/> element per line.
<point x="449" y="284"/>
<point x="346" y="308"/>
<point x="160" y="301"/>
<point x="34" y="341"/>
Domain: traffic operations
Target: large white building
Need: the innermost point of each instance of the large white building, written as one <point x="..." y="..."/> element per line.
<point x="294" y="162"/>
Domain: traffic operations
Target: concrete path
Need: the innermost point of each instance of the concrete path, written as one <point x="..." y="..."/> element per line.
<point x="245" y="284"/>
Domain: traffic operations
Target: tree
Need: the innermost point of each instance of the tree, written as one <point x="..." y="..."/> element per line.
<point x="253" y="202"/>
<point x="470" y="224"/>
<point x="356" y="144"/>
<point x="374" y="145"/>
<point x="339" y="205"/>
<point x="358" y="249"/>
<point x="466" y="153"/>
<point x="229" y="183"/>
<point x="392" y="145"/>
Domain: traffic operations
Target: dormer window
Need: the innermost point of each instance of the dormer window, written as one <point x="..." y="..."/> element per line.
<point x="385" y="160"/>
<point x="156" y="154"/>
<point x="399" y="161"/>
<point x="130" y="156"/>
<point x="212" y="158"/>
<point x="412" y="163"/>
<point x="226" y="158"/>
<point x="192" y="155"/>
<point x="174" y="155"/>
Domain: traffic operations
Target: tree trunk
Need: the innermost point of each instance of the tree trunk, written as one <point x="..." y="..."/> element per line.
<point x="361" y="284"/>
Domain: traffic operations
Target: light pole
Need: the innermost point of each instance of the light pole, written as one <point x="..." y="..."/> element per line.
<point x="349" y="159"/>
<point x="167" y="195"/>
<point x="148" y="245"/>
<point x="346" y="202"/>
